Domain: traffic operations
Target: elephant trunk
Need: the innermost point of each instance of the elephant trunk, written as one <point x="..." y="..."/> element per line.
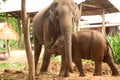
<point x="66" y="29"/>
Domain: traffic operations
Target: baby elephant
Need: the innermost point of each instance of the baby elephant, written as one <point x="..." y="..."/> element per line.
<point x="87" y="44"/>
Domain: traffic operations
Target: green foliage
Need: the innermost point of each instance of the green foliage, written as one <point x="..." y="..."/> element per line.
<point x="1" y="17"/>
<point x="115" y="44"/>
<point x="57" y="58"/>
<point x="85" y="60"/>
<point x="11" y="65"/>
<point x="13" y="22"/>
<point x="3" y="49"/>
<point x="4" y="0"/>
<point x="13" y="44"/>
<point x="6" y="79"/>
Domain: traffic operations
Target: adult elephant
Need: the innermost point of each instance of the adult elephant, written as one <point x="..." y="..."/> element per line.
<point x="87" y="44"/>
<point x="58" y="18"/>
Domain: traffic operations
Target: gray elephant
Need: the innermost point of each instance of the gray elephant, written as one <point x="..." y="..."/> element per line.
<point x="88" y="44"/>
<point x="56" y="19"/>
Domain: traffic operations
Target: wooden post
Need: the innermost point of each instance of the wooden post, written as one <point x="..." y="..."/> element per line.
<point x="8" y="47"/>
<point x="28" y="49"/>
<point x="7" y="41"/>
<point x="19" y="32"/>
<point x="80" y="13"/>
<point x="103" y="22"/>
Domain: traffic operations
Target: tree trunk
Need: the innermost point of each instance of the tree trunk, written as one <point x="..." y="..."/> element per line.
<point x="27" y="41"/>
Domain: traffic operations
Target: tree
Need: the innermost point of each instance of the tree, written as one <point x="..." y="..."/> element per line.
<point x="25" y="23"/>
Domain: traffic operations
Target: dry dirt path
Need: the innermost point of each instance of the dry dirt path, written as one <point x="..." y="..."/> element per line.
<point x="20" y="56"/>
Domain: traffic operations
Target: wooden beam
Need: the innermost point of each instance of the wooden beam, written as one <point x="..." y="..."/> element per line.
<point x="98" y="26"/>
<point x="89" y="5"/>
<point x="96" y="11"/>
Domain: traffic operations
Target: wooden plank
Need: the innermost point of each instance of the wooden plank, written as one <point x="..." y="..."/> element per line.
<point x="89" y="5"/>
<point x="100" y="25"/>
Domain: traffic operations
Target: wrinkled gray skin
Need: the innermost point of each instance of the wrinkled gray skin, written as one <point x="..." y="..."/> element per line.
<point x="87" y="45"/>
<point x="54" y="20"/>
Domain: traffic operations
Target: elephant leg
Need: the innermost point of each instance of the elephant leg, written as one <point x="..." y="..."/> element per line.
<point x="46" y="61"/>
<point x="78" y="63"/>
<point x="37" y="50"/>
<point x="108" y="59"/>
<point x="62" y="68"/>
<point x="62" y="65"/>
<point x="98" y="68"/>
<point x="36" y="55"/>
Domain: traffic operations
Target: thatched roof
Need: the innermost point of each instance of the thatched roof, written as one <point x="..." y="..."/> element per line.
<point x="95" y="7"/>
<point x="7" y="32"/>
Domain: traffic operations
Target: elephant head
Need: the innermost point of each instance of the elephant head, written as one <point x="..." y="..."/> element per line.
<point x="63" y="14"/>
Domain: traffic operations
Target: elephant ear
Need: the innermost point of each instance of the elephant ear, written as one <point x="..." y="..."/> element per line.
<point x="52" y="11"/>
<point x="76" y="13"/>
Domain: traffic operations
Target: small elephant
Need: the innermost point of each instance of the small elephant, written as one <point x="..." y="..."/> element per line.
<point x="87" y="44"/>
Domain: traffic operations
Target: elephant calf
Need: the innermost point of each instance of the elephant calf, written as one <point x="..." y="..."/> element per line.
<point x="88" y="44"/>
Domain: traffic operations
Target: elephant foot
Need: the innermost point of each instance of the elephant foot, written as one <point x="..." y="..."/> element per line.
<point x="97" y="74"/>
<point x="82" y="75"/>
<point x="64" y="74"/>
<point x="44" y="70"/>
<point x="45" y="73"/>
<point x="36" y="73"/>
<point x="115" y="74"/>
<point x="71" y="70"/>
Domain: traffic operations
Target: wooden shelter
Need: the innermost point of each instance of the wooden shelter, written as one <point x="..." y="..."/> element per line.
<point x="7" y="33"/>
<point x="98" y="7"/>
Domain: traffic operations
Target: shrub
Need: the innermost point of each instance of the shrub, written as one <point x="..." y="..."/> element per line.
<point x="115" y="44"/>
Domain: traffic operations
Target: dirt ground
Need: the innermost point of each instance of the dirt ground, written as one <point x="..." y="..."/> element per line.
<point x="20" y="56"/>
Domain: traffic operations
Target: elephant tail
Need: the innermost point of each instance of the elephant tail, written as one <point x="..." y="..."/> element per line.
<point x="112" y="52"/>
